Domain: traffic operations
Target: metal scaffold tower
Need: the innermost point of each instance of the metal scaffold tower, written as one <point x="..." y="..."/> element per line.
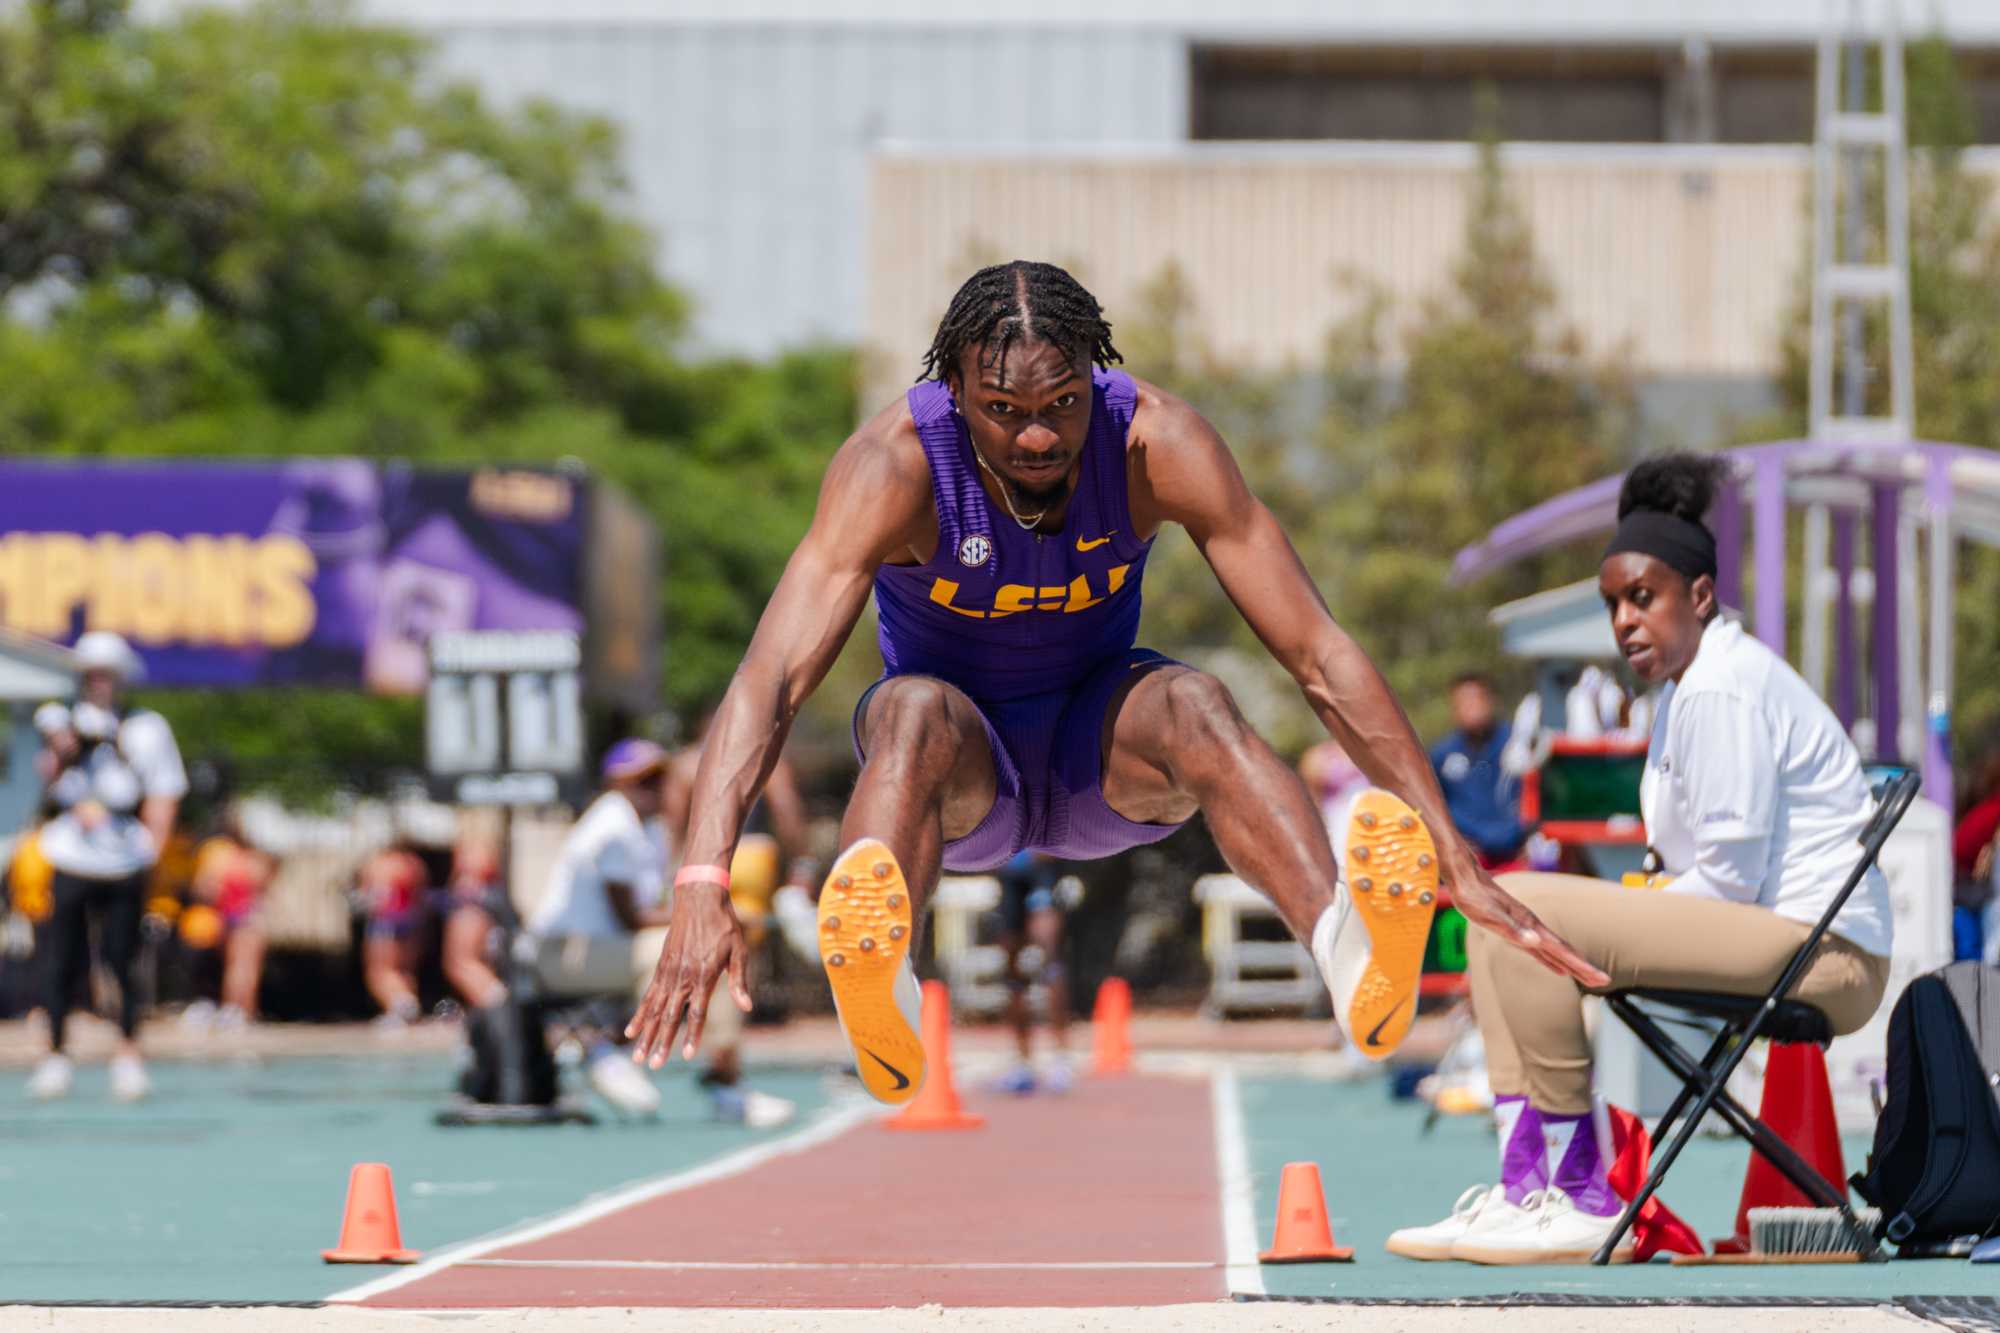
<point x="1861" y="285"/>
<point x="1858" y="153"/>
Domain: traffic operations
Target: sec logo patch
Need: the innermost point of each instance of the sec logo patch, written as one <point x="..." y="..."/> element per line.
<point x="975" y="551"/>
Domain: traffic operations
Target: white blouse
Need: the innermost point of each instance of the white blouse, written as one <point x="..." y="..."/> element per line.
<point x="1754" y="794"/>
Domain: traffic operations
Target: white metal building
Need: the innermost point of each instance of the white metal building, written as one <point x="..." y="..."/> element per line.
<point x="749" y="123"/>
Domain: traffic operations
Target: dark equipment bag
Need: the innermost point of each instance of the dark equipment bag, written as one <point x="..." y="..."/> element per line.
<point x="1934" y="1170"/>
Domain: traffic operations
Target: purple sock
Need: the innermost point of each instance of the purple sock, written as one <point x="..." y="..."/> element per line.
<point x="1580" y="1167"/>
<point x="1524" y="1163"/>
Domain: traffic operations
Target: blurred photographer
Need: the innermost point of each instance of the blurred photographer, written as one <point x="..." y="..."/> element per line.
<point x="115" y="778"/>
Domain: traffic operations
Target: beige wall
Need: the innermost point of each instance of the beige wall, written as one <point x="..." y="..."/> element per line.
<point x="1685" y="255"/>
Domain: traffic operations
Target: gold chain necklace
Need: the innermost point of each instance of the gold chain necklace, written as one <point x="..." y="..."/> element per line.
<point x="1027" y="524"/>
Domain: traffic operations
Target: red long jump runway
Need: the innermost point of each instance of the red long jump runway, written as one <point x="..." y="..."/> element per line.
<point x="1107" y="1196"/>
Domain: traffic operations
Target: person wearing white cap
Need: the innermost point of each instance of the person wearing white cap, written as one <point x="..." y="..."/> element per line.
<point x="602" y="921"/>
<point x="116" y="777"/>
<point x="605" y="894"/>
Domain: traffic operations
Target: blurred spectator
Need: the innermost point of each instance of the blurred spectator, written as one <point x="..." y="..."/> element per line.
<point x="115" y="775"/>
<point x="226" y="909"/>
<point x="30" y="878"/>
<point x="469" y="923"/>
<point x="1333" y="780"/>
<point x="392" y="884"/>
<point x="1031" y="917"/>
<point x="1972" y="847"/>
<point x="1594" y="707"/>
<point x="769" y="860"/>
<point x="1484" y="800"/>
<point x="602" y="921"/>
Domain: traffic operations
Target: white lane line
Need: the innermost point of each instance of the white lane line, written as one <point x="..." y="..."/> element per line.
<point x="678" y="1265"/>
<point x="831" y="1124"/>
<point x="1243" y="1276"/>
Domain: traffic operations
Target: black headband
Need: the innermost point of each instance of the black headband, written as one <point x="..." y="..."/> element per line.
<point x="1668" y="538"/>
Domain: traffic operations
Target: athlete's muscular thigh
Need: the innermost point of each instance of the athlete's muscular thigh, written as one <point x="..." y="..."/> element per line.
<point x="1160" y="731"/>
<point x="929" y="736"/>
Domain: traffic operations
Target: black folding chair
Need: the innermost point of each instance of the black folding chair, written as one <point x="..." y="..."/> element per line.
<point x="1744" y="1018"/>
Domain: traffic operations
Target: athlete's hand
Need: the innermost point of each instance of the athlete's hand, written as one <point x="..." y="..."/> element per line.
<point x="704" y="939"/>
<point x="1485" y="903"/>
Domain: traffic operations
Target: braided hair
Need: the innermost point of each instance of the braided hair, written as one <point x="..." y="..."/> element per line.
<point x="1003" y="304"/>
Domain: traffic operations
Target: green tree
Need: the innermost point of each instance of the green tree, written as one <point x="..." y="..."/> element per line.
<point x="278" y="230"/>
<point x="1268" y="421"/>
<point x="1381" y="468"/>
<point x="1499" y="408"/>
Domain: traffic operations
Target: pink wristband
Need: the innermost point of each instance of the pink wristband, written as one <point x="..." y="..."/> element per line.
<point x="702" y="875"/>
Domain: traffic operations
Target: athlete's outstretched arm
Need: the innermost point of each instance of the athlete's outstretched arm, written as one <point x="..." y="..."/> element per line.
<point x="874" y="502"/>
<point x="1183" y="473"/>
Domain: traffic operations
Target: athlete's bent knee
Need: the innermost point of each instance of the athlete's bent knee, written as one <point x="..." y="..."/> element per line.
<point x="908" y="704"/>
<point x="1202" y="718"/>
<point x="914" y="715"/>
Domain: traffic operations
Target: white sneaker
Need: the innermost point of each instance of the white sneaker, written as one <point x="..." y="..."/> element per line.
<point x="1549" y="1231"/>
<point x="798" y="921"/>
<point x="1370" y="944"/>
<point x="1481" y="1209"/>
<point x="624" y="1084"/>
<point x="52" y="1078"/>
<point x="199" y="1016"/>
<point x="763" y="1111"/>
<point x="231" y="1018"/>
<point x="128" y="1079"/>
<point x="866" y="928"/>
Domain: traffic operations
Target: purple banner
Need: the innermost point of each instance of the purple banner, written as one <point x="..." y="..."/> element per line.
<point x="326" y="572"/>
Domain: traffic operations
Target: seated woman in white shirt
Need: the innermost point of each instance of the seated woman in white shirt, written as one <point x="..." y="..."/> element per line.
<point x="1754" y="801"/>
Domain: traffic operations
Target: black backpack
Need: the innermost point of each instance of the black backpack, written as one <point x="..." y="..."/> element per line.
<point x="1935" y="1168"/>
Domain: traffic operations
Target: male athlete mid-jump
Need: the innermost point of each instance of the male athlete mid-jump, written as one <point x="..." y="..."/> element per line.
<point x="1002" y="512"/>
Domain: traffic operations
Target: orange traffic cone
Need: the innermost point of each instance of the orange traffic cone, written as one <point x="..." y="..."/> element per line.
<point x="1304" y="1236"/>
<point x="1798" y="1106"/>
<point x="369" y="1233"/>
<point x="1111" y="1028"/>
<point x="936" y="1104"/>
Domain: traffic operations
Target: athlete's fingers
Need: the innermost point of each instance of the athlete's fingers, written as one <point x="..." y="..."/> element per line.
<point x="1526" y="931"/>
<point x="647" y="1016"/>
<point x="739" y="983"/>
<point x="697" y="1020"/>
<point x="640" y="1029"/>
<point x="660" y="1003"/>
<point x="1560" y="958"/>
<point x="670" y="1022"/>
<point x="1488" y="905"/>
<point x="697" y="1014"/>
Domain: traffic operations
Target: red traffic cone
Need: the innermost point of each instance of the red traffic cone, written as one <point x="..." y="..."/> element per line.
<point x="1303" y="1235"/>
<point x="369" y="1233"/>
<point x="936" y="1104"/>
<point x="1111" y="1028"/>
<point x="1798" y="1106"/>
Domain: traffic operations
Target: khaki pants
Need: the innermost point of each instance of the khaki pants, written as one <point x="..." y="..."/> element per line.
<point x="590" y="965"/>
<point x="1532" y="1019"/>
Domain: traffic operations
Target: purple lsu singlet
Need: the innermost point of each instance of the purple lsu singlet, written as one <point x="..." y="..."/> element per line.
<point x="1002" y="612"/>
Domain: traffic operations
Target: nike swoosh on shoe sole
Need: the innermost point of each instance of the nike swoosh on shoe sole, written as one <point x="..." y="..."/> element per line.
<point x="1391" y="875"/>
<point x="865" y="931"/>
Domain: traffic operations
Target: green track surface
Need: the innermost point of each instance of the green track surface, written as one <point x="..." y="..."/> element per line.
<point x="229" y="1182"/>
<point x="1381" y="1172"/>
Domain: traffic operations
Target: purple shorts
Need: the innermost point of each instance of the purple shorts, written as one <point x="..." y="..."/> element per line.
<point x="1048" y="762"/>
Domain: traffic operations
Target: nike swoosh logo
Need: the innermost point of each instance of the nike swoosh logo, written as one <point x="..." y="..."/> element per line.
<point x="1374" y="1037"/>
<point x="902" y="1079"/>
<point x="1094" y="543"/>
